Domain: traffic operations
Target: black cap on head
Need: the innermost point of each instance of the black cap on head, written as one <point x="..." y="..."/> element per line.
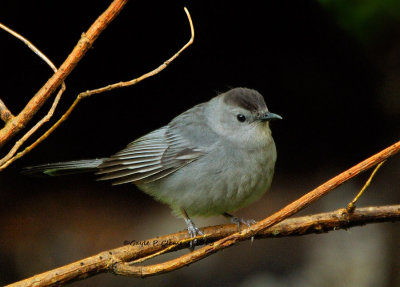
<point x="245" y="98"/>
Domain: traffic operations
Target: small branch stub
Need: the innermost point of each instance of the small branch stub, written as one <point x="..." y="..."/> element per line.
<point x="352" y="205"/>
<point x="5" y="113"/>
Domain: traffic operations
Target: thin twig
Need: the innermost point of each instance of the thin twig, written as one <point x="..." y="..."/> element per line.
<point x="351" y="206"/>
<point x="9" y="158"/>
<point x="145" y="76"/>
<point x="30" y="45"/>
<point x="114" y="260"/>
<point x="17" y="123"/>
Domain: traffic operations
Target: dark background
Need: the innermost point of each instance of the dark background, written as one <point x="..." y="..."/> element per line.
<point x="331" y="69"/>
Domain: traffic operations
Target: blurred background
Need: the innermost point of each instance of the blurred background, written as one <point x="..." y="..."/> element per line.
<point x="330" y="68"/>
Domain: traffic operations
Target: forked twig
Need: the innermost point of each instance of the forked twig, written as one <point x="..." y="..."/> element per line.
<point x="9" y="158"/>
<point x="351" y="206"/>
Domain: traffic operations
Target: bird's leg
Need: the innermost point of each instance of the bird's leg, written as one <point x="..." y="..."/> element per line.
<point x="238" y="221"/>
<point x="192" y="229"/>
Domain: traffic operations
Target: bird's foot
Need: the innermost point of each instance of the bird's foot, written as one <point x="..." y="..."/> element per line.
<point x="193" y="232"/>
<point x="238" y="221"/>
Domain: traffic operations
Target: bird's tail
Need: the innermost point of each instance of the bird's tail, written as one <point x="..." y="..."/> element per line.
<point x="64" y="168"/>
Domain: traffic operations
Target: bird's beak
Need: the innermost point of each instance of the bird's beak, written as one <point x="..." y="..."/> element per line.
<point x="270" y="117"/>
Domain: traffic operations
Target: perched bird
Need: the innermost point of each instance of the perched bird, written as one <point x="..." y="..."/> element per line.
<point x="213" y="159"/>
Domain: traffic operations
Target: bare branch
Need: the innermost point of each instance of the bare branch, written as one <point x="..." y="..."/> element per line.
<point x="9" y="158"/>
<point x="144" y="76"/>
<point x="120" y="260"/>
<point x="18" y="122"/>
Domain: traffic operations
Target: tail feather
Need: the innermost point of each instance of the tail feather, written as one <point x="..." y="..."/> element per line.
<point x="64" y="168"/>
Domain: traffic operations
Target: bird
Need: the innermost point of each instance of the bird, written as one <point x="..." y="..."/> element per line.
<point x="213" y="159"/>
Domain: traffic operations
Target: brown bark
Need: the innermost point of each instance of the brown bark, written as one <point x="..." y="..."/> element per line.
<point x="119" y="260"/>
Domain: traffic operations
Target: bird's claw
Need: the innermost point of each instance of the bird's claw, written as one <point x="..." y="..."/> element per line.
<point x="194" y="231"/>
<point x="247" y="222"/>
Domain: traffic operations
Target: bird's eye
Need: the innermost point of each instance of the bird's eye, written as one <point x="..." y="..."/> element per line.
<point x="241" y="118"/>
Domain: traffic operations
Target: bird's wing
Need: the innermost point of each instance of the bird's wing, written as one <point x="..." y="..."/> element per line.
<point x="150" y="157"/>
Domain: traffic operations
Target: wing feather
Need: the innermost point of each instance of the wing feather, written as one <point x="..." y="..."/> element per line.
<point x="127" y="172"/>
<point x="150" y="157"/>
<point x="130" y="161"/>
<point x="136" y="178"/>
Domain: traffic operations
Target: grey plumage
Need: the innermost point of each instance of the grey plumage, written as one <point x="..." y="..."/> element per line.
<point x="212" y="159"/>
<point x="149" y="158"/>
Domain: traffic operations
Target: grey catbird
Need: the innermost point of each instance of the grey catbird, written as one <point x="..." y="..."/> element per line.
<point x="213" y="159"/>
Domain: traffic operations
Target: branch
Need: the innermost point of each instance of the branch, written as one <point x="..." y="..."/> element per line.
<point x="18" y="122"/>
<point x="49" y="114"/>
<point x="5" y="114"/>
<point x="7" y="160"/>
<point x="117" y="260"/>
<point x="352" y="204"/>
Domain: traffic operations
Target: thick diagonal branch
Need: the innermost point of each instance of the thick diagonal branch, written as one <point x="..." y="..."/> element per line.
<point x="18" y="122"/>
